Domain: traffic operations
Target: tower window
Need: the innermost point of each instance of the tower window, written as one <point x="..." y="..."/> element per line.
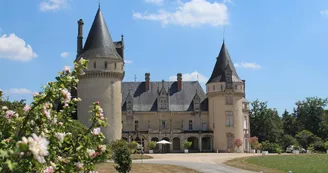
<point x="94" y="65"/>
<point x="236" y="87"/>
<point x="136" y="124"/>
<point x="115" y="65"/>
<point x="229" y="119"/>
<point x="106" y="65"/>
<point x="213" y="87"/>
<point x="190" y="124"/>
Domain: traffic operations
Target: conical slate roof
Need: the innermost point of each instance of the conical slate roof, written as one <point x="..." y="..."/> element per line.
<point x="99" y="43"/>
<point x="222" y="62"/>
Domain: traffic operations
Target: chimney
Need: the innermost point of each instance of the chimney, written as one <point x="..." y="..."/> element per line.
<point x="179" y="79"/>
<point x="80" y="37"/>
<point x="147" y="79"/>
<point x="244" y="88"/>
<point x="122" y="40"/>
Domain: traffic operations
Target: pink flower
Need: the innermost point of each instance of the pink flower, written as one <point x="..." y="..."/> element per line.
<point x="79" y="165"/>
<point x="92" y="153"/>
<point x="26" y="108"/>
<point x="67" y="95"/>
<point x="96" y="131"/>
<point x="97" y="102"/>
<point x="60" y="123"/>
<point x="47" y="113"/>
<point x="35" y="94"/>
<point x="9" y="114"/>
<point x="67" y="69"/>
<point x="49" y="169"/>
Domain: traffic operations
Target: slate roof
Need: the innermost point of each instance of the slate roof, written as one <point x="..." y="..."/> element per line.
<point x="222" y="62"/>
<point x="178" y="100"/>
<point x="99" y="43"/>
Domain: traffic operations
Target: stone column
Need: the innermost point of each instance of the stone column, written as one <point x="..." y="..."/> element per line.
<point x="171" y="146"/>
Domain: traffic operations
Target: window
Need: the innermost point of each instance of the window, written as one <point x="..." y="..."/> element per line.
<point x="94" y="65"/>
<point x="106" y="65"/>
<point x="236" y="87"/>
<point x="136" y="124"/>
<point x="204" y="126"/>
<point x="245" y="123"/>
<point x="229" y="119"/>
<point x="213" y="87"/>
<point x="221" y="87"/>
<point x="163" y="125"/>
<point x="115" y="66"/>
<point x="190" y="124"/>
<point x="229" y="100"/>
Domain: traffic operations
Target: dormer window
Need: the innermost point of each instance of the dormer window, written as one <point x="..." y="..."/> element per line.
<point x="196" y="102"/>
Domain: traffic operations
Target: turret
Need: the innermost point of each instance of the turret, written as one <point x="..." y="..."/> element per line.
<point x="102" y="80"/>
<point x="225" y="92"/>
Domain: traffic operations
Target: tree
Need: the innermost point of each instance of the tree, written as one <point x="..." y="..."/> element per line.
<point x="310" y="114"/>
<point x="151" y="145"/>
<point x="265" y="122"/>
<point x="289" y="124"/>
<point x="187" y="144"/>
<point x="253" y="141"/>
<point x="237" y="143"/>
<point x="35" y="138"/>
<point x="305" y="138"/>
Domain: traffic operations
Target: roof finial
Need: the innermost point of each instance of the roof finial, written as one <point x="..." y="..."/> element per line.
<point x="98" y="3"/>
<point x="223" y="33"/>
<point x="135" y="78"/>
<point x="197" y="74"/>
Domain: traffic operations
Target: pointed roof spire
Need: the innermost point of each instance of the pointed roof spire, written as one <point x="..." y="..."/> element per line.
<point x="222" y="62"/>
<point x="99" y="43"/>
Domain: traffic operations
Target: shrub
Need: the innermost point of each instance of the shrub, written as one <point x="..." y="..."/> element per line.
<point x="151" y="145"/>
<point x="326" y="145"/>
<point x="36" y="138"/>
<point x="237" y="142"/>
<point x="121" y="156"/>
<point x="288" y="140"/>
<point x="270" y="147"/>
<point x="253" y="141"/>
<point x="187" y="144"/>
<point x="305" y="138"/>
<point x="133" y="147"/>
<point x="279" y="150"/>
<point x="318" y="146"/>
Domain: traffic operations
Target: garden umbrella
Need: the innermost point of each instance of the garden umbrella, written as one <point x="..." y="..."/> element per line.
<point x="163" y="142"/>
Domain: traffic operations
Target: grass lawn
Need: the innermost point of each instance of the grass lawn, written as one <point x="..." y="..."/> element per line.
<point x="146" y="168"/>
<point x="304" y="163"/>
<point x="138" y="156"/>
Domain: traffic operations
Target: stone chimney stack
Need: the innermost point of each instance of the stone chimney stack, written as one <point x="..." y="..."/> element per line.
<point x="80" y="37"/>
<point x="147" y="79"/>
<point x="179" y="80"/>
<point x="244" y="88"/>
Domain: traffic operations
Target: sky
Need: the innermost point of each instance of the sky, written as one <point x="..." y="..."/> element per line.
<point x="279" y="47"/>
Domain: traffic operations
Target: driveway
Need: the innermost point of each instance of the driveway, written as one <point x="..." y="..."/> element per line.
<point x="203" y="162"/>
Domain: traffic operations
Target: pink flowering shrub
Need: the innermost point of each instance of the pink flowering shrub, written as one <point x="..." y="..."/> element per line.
<point x="237" y="143"/>
<point x="36" y="138"/>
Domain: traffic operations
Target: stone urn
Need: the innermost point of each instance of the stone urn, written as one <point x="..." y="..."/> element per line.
<point x="151" y="151"/>
<point x="186" y="150"/>
<point x="253" y="151"/>
<point x="259" y="151"/>
<point x="265" y="152"/>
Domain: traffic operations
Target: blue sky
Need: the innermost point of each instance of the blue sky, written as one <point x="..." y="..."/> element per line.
<point x="279" y="47"/>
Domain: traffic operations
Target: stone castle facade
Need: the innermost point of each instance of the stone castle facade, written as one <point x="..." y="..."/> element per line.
<point x="175" y="111"/>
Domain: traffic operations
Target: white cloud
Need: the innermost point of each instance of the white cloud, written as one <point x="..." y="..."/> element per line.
<point x="248" y="65"/>
<point x="15" y="48"/>
<point x="52" y="5"/>
<point x="156" y="2"/>
<point x="128" y="61"/>
<point x="228" y="2"/>
<point x="324" y="12"/>
<point x="64" y="54"/>
<point x="192" y="13"/>
<point x="19" y="91"/>
<point x="194" y="76"/>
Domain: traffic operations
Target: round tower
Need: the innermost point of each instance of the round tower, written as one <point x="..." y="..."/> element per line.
<point x="225" y="92"/>
<point x="103" y="78"/>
